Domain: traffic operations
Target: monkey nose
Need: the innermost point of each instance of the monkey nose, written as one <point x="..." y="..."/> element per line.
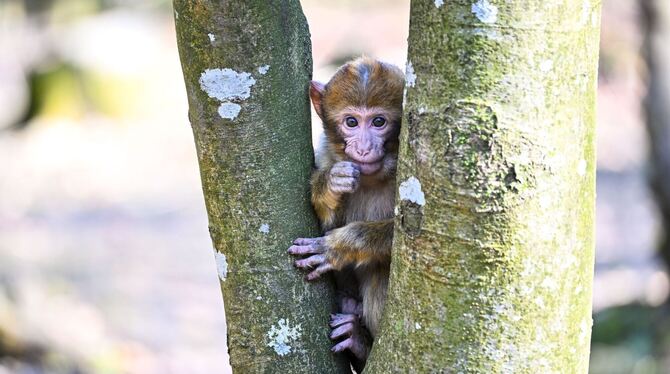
<point x="363" y="152"/>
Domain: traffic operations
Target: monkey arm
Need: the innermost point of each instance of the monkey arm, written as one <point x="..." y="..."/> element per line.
<point x="324" y="200"/>
<point x="357" y="243"/>
<point x="360" y="243"/>
<point x="328" y="186"/>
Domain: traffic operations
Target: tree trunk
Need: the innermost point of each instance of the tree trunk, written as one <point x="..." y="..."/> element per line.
<point x="247" y="66"/>
<point x="494" y="242"/>
<point x="656" y="20"/>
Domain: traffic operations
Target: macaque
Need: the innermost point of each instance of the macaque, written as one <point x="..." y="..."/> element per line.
<point x="353" y="192"/>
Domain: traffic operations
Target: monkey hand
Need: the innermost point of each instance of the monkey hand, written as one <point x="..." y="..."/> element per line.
<point x="317" y="258"/>
<point x="344" y="177"/>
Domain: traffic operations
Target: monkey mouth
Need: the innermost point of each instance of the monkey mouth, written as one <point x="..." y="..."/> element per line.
<point x="368" y="168"/>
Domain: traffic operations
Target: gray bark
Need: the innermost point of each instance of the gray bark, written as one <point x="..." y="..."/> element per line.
<point x="247" y="66"/>
<point x="494" y="242"/>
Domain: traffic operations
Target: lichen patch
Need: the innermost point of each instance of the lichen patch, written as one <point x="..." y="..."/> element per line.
<point x="410" y="190"/>
<point x="229" y="110"/>
<point x="485" y="11"/>
<point x="281" y="335"/>
<point x="581" y="167"/>
<point x="221" y="265"/>
<point x="265" y="228"/>
<point x="410" y="76"/>
<point x="226" y="84"/>
<point x="546" y="66"/>
<point x="262" y="70"/>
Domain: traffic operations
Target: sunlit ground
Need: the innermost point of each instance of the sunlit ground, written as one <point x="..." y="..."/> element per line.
<point x="105" y="257"/>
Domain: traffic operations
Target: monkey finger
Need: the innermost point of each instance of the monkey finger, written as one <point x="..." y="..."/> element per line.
<point x="341" y="190"/>
<point x="308" y="241"/>
<point x="347" y="171"/>
<point x="310" y="262"/>
<point x="340" y="319"/>
<point x="323" y="268"/>
<point x="344" y="330"/>
<point x="344" y="181"/>
<point x="305" y="249"/>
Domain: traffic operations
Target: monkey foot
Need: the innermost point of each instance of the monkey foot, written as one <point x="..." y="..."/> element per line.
<point x="348" y="326"/>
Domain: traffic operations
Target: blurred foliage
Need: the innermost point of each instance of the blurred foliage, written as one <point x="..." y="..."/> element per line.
<point x="630" y="339"/>
<point x="56" y="92"/>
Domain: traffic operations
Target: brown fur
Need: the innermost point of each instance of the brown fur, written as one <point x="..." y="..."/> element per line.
<point x="361" y="222"/>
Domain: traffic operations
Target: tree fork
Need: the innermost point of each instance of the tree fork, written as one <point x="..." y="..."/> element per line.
<point x="494" y="237"/>
<point x="247" y="66"/>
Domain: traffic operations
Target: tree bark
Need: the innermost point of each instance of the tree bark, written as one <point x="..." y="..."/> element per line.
<point x="494" y="242"/>
<point x="247" y="65"/>
<point x="656" y="20"/>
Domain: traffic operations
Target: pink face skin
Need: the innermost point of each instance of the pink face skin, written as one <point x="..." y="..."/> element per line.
<point x="365" y="130"/>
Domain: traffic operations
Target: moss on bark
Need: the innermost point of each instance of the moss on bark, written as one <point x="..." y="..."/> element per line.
<point x="493" y="274"/>
<point x="252" y="132"/>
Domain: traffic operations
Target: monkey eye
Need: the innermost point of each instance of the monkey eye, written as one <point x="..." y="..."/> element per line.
<point x="351" y="122"/>
<point x="378" y="122"/>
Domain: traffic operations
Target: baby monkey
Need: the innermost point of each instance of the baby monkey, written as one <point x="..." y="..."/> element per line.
<point x="353" y="193"/>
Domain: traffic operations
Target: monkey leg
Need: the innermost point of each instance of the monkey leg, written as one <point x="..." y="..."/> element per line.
<point x="347" y="326"/>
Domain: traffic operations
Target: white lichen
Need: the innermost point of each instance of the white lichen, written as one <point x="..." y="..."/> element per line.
<point x="410" y="190"/>
<point x="586" y="11"/>
<point x="546" y="66"/>
<point x="263" y="69"/>
<point x="221" y="265"/>
<point x="581" y="167"/>
<point x="583" y="332"/>
<point x="265" y="228"/>
<point x="281" y="335"/>
<point x="229" y="110"/>
<point x="549" y="283"/>
<point x="226" y="84"/>
<point x="439" y="3"/>
<point x="212" y="37"/>
<point x="410" y="77"/>
<point x="485" y="11"/>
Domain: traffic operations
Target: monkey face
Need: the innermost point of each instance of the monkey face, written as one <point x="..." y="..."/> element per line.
<point x="365" y="132"/>
<point x="361" y="108"/>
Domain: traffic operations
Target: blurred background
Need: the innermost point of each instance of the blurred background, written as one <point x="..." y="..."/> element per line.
<point x="106" y="265"/>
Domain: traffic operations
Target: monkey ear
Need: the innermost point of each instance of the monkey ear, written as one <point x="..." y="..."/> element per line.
<point x="316" y="94"/>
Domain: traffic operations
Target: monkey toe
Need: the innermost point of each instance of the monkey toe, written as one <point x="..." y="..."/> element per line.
<point x="347" y="329"/>
<point x="355" y="345"/>
<point x="340" y="319"/>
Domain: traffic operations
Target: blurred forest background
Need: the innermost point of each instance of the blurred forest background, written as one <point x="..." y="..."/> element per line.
<point x="106" y="265"/>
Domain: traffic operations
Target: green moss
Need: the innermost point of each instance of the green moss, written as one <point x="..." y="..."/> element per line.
<point x="499" y="276"/>
<point x="255" y="171"/>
